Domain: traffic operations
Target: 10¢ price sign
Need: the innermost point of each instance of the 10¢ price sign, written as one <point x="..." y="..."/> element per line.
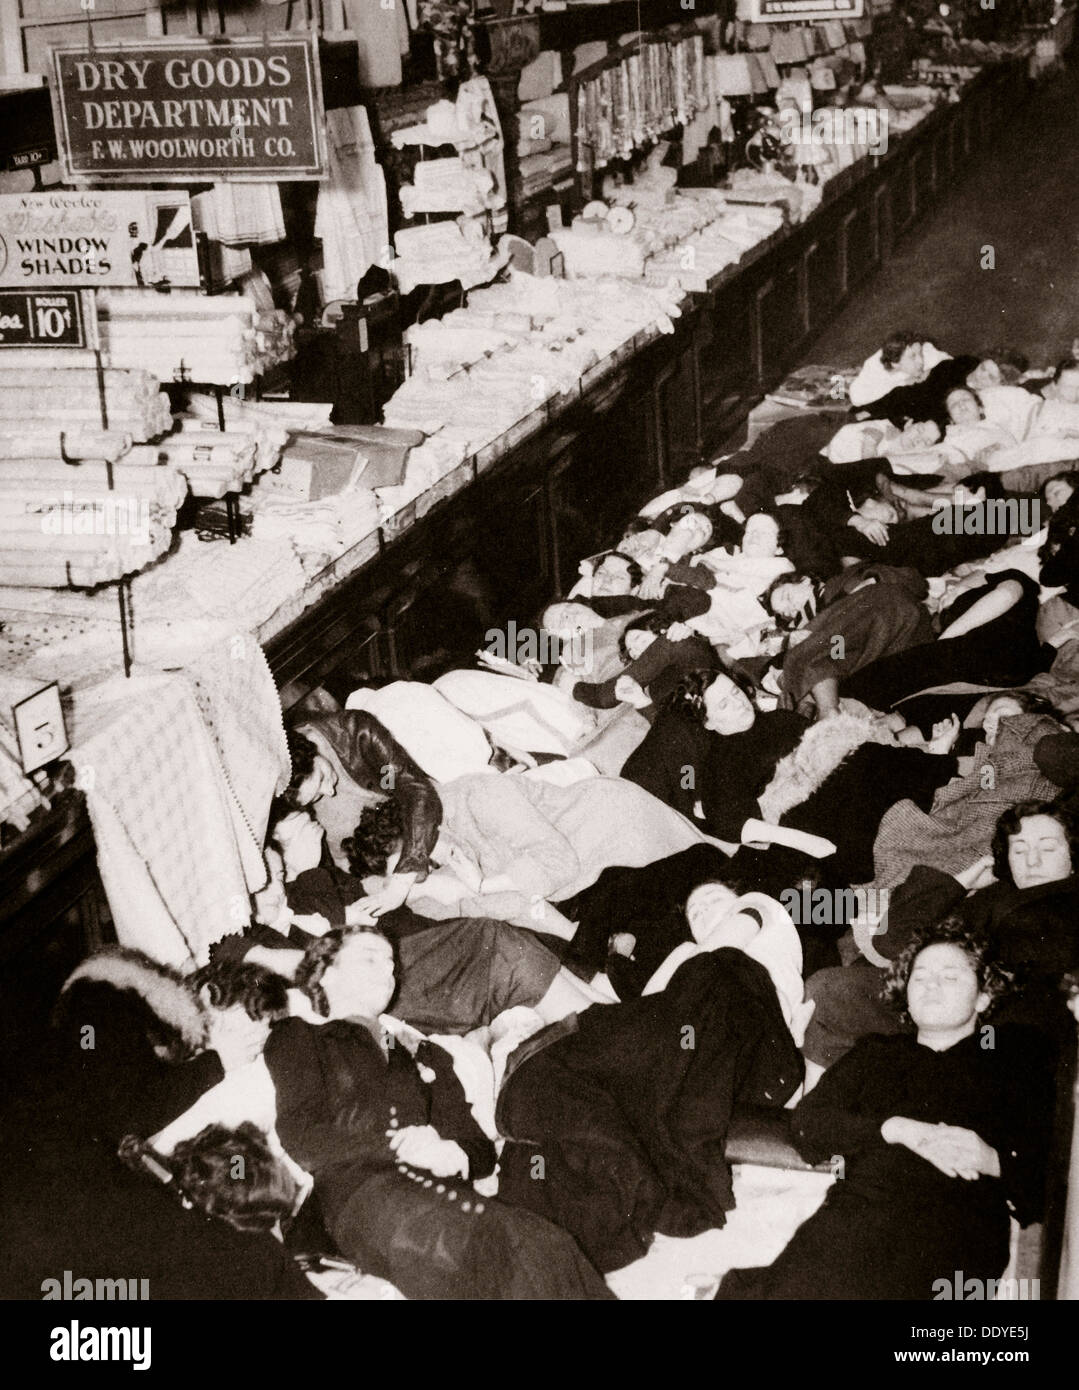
<point x="43" y="319"/>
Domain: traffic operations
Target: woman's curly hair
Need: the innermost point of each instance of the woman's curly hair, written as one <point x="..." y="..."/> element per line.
<point x="230" y="984"/>
<point x="232" y="1175"/>
<point x="1010" y="824"/>
<point x="319" y="956"/>
<point x="993" y="979"/>
<point x="688" y="694"/>
<point x="380" y="832"/>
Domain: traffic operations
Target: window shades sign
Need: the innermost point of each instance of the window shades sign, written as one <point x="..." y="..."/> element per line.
<point x="190" y="108"/>
<point x="794" y="11"/>
<point x="98" y="238"/>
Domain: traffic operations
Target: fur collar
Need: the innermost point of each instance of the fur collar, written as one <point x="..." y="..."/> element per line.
<point x="821" y="750"/>
<point x="164" y="993"/>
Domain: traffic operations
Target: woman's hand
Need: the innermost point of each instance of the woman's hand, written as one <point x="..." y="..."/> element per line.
<point x="629" y="692"/>
<point x="653" y="584"/>
<point x="392" y="894"/>
<point x="875" y="531"/>
<point x="955" y="1152"/>
<point x="678" y="632"/>
<point x="313" y="923"/>
<point x="279" y="962"/>
<point x="944" y="736"/>
<point x="980" y="874"/>
<point x="421" y="1147"/>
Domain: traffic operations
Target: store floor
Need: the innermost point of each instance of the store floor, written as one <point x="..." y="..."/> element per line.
<point x="1022" y="200"/>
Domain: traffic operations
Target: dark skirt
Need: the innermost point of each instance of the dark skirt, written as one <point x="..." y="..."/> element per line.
<point x="434" y="1238"/>
<point x="864" y="1247"/>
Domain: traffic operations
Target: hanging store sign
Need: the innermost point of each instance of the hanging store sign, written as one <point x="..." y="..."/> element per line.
<point x="172" y="110"/>
<point x="42" y="319"/>
<point x="98" y="238"/>
<point x="797" y="11"/>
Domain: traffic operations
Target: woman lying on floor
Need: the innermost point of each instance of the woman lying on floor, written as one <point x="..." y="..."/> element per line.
<point x="623" y="1122"/>
<point x="134" y="1045"/>
<point x="621" y="1158"/>
<point x="1023" y="897"/>
<point x="866" y="613"/>
<point x="942" y="1134"/>
<point x="453" y="975"/>
<point x="375" y="1118"/>
<point x="519" y="842"/>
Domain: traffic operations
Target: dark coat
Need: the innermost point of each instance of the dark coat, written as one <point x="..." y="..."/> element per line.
<point x="67" y="1202"/>
<point x="893" y="1224"/>
<point x="628" y="1111"/>
<point x="338" y="1096"/>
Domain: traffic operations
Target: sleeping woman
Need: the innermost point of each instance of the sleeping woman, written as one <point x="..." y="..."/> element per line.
<point x="381" y="1123"/>
<point x="941" y="1136"/>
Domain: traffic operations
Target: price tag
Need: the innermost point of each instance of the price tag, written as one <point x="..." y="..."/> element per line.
<point x="42" y="319"/>
<point x="39" y="725"/>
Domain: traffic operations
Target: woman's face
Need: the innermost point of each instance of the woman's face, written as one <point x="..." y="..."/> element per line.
<point x="320" y="781"/>
<point x="942" y="991"/>
<point x="689" y="533"/>
<point x="1039" y="852"/>
<point x="706" y="906"/>
<point x="912" y="362"/>
<point x="985" y="374"/>
<point x="1057" y="492"/>
<point x="919" y="434"/>
<point x="637" y="642"/>
<point x="246" y="1036"/>
<point x="1004" y="708"/>
<point x="612" y="577"/>
<point x="270" y="902"/>
<point x="360" y="982"/>
<point x="792" y="600"/>
<point x="963" y="408"/>
<point x="1067" y="388"/>
<point x="761" y="536"/>
<point x="300" y="839"/>
<point x="727" y="709"/>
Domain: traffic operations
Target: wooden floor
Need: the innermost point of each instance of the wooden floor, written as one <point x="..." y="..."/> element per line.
<point x="1027" y="210"/>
